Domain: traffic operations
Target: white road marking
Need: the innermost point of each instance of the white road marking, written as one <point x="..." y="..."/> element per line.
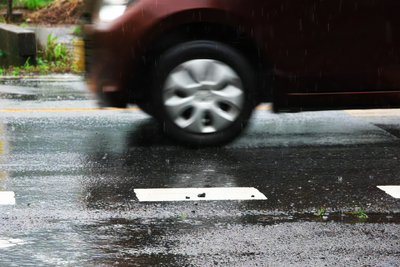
<point x="10" y="242"/>
<point x="393" y="190"/>
<point x="7" y="198"/>
<point x="190" y="194"/>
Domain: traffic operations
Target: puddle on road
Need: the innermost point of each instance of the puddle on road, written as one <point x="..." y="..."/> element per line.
<point x="149" y="242"/>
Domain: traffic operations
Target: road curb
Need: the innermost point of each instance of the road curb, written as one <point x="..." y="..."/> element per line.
<point x="47" y="78"/>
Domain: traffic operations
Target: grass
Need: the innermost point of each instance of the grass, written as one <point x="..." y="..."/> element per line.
<point x="360" y="212"/>
<point x="320" y="212"/>
<point x="182" y="215"/>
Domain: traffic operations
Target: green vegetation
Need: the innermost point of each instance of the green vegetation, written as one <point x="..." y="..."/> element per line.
<point x="30" y="4"/>
<point x="23" y="25"/>
<point x="182" y="215"/>
<point x="2" y="19"/>
<point x="76" y="30"/>
<point x="55" y="58"/>
<point x="360" y="212"/>
<point x="320" y="212"/>
<point x="53" y="50"/>
<point x="34" y="4"/>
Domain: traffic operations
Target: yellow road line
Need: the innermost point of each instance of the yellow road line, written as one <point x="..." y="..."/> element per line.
<point x="65" y="109"/>
<point x="264" y="107"/>
<point x="91" y="109"/>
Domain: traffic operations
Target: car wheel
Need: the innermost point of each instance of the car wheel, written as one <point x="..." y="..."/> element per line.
<point x="202" y="93"/>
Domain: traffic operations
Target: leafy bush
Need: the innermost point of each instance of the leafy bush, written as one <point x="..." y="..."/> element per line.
<point x="33" y="4"/>
<point x="55" y="58"/>
<point x="53" y="50"/>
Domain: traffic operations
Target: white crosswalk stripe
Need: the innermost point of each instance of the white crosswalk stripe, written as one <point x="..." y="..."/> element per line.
<point x="393" y="190"/>
<point x="7" y="198"/>
<point x="190" y="194"/>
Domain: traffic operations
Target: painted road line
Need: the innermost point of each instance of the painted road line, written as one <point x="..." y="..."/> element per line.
<point x="10" y="242"/>
<point x="264" y="107"/>
<point x="393" y="190"/>
<point x="191" y="194"/>
<point x="7" y="198"/>
<point x="65" y="109"/>
<point x="90" y="109"/>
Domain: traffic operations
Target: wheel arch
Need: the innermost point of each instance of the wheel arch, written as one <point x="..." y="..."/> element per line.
<point x="169" y="37"/>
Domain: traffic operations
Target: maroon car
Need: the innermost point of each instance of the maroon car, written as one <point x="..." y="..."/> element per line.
<point x="201" y="66"/>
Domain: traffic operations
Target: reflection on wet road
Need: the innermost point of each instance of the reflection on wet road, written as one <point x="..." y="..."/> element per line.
<point x="74" y="173"/>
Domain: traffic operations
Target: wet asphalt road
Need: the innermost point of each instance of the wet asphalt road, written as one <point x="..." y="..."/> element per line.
<point x="73" y="170"/>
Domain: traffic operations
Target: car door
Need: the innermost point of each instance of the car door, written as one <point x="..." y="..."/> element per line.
<point x="354" y="42"/>
<point x="331" y="50"/>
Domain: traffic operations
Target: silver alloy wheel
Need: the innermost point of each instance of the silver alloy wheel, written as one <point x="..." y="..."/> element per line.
<point x="203" y="96"/>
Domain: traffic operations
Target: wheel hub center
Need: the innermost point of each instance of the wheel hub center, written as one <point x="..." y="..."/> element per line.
<point x="203" y="94"/>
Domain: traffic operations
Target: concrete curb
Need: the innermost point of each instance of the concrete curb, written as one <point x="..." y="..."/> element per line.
<point x="46" y="78"/>
<point x="18" y="45"/>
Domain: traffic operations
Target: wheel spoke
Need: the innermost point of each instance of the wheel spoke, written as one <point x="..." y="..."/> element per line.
<point x="231" y="96"/>
<point x="220" y="118"/>
<point x="195" y="123"/>
<point x="176" y="106"/>
<point x="198" y="69"/>
<point x="181" y="79"/>
<point x="219" y="76"/>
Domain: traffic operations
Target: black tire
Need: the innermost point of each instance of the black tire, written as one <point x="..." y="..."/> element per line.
<point x="204" y="51"/>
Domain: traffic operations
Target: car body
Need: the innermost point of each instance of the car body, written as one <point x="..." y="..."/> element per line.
<point x="298" y="54"/>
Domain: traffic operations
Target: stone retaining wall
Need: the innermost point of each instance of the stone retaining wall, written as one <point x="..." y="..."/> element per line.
<point x="18" y="44"/>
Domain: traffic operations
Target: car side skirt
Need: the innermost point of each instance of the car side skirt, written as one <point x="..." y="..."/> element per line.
<point x="294" y="102"/>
